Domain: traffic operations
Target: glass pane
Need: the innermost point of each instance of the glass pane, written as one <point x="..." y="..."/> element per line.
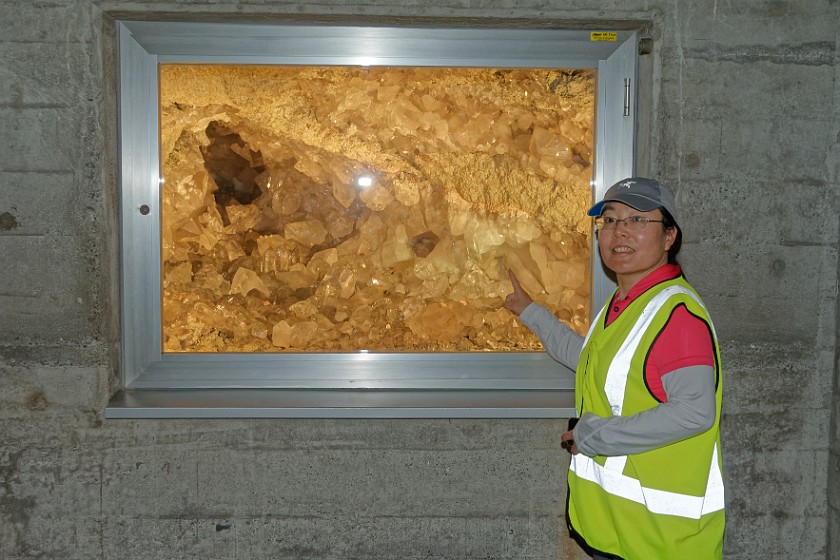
<point x="334" y="209"/>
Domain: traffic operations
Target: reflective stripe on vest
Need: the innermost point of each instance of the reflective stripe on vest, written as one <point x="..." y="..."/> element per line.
<point x="610" y="477"/>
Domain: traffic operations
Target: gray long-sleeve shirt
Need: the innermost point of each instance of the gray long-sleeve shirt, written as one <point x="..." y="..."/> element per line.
<point x="689" y="410"/>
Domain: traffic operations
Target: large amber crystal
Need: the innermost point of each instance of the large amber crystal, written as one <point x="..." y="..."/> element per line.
<point x="325" y="209"/>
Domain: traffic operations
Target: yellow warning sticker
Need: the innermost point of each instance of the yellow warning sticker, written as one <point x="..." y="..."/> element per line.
<point x="610" y="36"/>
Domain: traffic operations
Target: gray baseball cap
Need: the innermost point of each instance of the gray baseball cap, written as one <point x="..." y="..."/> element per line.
<point x="640" y="193"/>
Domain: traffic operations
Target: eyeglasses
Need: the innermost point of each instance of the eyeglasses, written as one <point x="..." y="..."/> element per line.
<point x="632" y="222"/>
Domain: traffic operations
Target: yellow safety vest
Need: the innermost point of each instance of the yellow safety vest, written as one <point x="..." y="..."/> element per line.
<point x="662" y="504"/>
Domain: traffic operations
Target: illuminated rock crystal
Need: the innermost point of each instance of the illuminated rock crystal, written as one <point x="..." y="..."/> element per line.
<point x="435" y="321"/>
<point x="395" y="249"/>
<point x="281" y="335"/>
<point x="245" y="280"/>
<point x="308" y="233"/>
<point x="303" y="309"/>
<point x="376" y="198"/>
<point x="339" y="209"/>
<point x="347" y="281"/>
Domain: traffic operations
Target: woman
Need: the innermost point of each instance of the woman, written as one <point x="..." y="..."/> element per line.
<point x="645" y="474"/>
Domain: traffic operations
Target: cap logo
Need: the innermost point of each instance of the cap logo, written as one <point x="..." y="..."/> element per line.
<point x="626" y="184"/>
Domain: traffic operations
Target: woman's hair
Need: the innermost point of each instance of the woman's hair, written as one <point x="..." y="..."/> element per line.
<point x="668" y="222"/>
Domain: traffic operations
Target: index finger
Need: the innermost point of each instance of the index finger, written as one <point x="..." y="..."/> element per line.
<point x="514" y="280"/>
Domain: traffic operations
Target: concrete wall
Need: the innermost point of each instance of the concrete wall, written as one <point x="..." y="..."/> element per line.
<point x="744" y="123"/>
<point x="833" y="491"/>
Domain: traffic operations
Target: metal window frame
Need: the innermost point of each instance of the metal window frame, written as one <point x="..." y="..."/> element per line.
<point x="146" y="370"/>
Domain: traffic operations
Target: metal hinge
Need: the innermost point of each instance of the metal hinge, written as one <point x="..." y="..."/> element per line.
<point x="626" y="97"/>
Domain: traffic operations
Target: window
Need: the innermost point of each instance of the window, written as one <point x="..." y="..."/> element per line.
<point x="268" y="260"/>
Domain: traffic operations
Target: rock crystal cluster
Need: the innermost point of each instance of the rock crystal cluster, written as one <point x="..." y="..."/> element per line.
<point x="334" y="209"/>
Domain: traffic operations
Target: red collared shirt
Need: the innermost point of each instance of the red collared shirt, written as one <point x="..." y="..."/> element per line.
<point x="685" y="340"/>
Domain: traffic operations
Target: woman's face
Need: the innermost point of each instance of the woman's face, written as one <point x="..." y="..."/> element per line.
<point x="630" y="253"/>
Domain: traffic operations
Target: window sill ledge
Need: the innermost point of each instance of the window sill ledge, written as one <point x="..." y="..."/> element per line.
<point x="340" y="403"/>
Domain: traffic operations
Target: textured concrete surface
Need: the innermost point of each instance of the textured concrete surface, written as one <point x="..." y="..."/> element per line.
<point x="744" y="121"/>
